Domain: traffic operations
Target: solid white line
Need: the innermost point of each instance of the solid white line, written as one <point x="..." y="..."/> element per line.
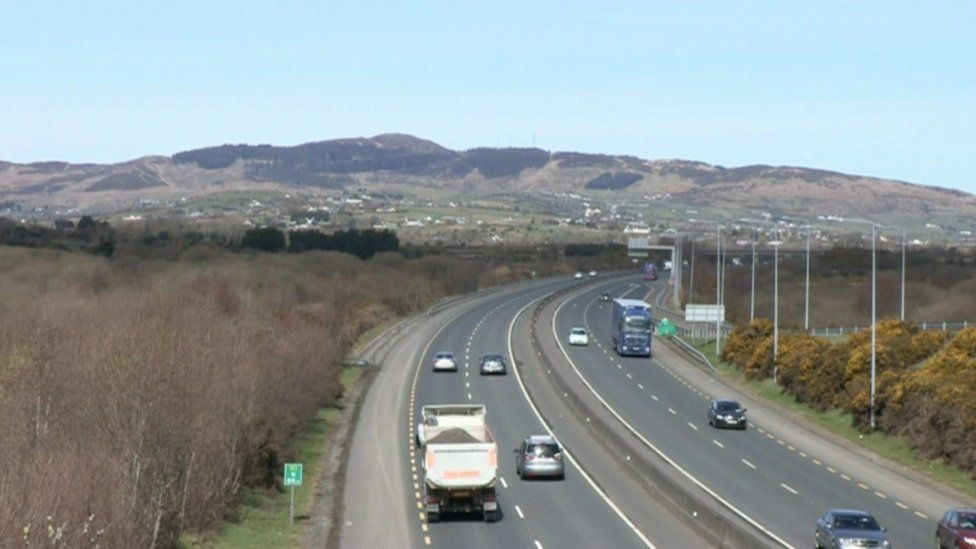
<point x="519" y="511"/>
<point x="788" y="489"/>
<point x="569" y="456"/>
<point x="648" y="443"/>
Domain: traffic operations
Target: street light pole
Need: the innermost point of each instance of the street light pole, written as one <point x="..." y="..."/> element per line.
<point x="775" y="303"/>
<point x="718" y="288"/>
<point x="691" y="281"/>
<point x="752" y="292"/>
<point x="874" y="327"/>
<point x="903" y="275"/>
<point x="806" y="307"/>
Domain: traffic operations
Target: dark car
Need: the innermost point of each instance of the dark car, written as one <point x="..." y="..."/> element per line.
<point x="956" y="529"/>
<point x="841" y="528"/>
<point x="726" y="413"/>
<point x="540" y="456"/>
<point x="605" y="296"/>
<point x="493" y="364"/>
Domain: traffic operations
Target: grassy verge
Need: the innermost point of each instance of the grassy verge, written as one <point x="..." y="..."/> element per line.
<point x="262" y="516"/>
<point x="893" y="448"/>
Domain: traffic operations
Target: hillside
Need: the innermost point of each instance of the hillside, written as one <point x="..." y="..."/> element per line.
<point x="407" y="162"/>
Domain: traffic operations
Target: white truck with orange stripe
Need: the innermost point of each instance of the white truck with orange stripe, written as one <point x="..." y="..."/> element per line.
<point x="460" y="461"/>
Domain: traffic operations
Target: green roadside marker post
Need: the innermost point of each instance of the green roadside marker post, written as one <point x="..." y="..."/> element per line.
<point x="666" y="328"/>
<point x="293" y="478"/>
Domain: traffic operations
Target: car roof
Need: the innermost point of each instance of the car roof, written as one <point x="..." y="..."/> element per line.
<point x="856" y="512"/>
<point x="445" y="353"/>
<point x="726" y="401"/>
<point x="540" y="439"/>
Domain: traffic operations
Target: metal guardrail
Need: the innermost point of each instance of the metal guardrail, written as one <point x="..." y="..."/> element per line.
<point x="692" y="351"/>
<point x="847" y="330"/>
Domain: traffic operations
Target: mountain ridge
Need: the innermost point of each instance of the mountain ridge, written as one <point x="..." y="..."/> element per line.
<point x="409" y="161"/>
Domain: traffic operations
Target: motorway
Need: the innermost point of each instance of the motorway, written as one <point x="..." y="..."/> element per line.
<point x="776" y="472"/>
<point x="382" y="501"/>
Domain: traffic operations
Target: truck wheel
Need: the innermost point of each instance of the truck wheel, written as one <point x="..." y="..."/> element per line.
<point x="433" y="517"/>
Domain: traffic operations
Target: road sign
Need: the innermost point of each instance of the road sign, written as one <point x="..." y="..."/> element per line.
<point x="293" y="474"/>
<point x="704" y="313"/>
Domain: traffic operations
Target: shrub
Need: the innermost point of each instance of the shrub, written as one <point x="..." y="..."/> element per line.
<point x="743" y="341"/>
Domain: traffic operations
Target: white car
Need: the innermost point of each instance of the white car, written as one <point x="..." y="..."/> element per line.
<point x="578" y="275"/>
<point x="592" y="274"/>
<point x="444" y="362"/>
<point x="578" y="336"/>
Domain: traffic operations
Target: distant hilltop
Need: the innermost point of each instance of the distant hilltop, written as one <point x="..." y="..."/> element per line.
<point x="405" y="161"/>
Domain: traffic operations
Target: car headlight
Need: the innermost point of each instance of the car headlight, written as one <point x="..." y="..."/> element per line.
<point x="969" y="540"/>
<point x="846" y="542"/>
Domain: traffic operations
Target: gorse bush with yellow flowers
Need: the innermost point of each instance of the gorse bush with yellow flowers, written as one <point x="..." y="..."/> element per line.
<point x="925" y="380"/>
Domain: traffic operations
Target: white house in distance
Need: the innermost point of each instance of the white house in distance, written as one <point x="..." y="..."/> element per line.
<point x="637" y="227"/>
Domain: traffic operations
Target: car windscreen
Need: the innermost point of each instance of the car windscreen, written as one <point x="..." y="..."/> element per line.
<point x="493" y="358"/>
<point x="967" y="521"/>
<point x="855" y="522"/>
<point x="545" y="449"/>
<point x="443" y="355"/>
<point x="727" y="406"/>
<point x="636" y="323"/>
<point x="578" y="331"/>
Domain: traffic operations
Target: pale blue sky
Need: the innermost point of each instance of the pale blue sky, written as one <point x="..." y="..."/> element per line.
<point x="877" y="88"/>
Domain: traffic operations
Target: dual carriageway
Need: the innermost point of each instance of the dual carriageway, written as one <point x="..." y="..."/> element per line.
<point x="644" y="467"/>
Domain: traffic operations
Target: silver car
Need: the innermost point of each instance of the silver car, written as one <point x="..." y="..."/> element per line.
<point x="493" y="364"/>
<point x="540" y="456"/>
<point x="849" y="528"/>
<point x="444" y="362"/>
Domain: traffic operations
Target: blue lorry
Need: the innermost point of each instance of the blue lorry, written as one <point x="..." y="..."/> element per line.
<point x="631" y="327"/>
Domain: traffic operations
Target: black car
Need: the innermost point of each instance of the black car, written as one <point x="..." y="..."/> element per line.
<point x="840" y="528"/>
<point x="493" y="364"/>
<point x="605" y="296"/>
<point x="726" y="413"/>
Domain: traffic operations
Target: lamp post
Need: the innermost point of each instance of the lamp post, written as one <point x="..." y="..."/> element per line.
<point x="903" y="275"/>
<point x="752" y="291"/>
<point x="775" y="245"/>
<point x="691" y="277"/>
<point x="806" y="306"/>
<point x="718" y="288"/>
<point x="874" y="311"/>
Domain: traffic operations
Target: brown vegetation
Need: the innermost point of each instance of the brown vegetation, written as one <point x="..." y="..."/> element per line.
<point x="138" y="397"/>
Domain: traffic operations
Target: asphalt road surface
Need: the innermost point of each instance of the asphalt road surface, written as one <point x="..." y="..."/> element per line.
<point x="778" y="473"/>
<point x="382" y="502"/>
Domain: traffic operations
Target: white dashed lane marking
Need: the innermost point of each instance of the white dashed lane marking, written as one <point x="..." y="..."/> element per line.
<point x="751" y="466"/>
